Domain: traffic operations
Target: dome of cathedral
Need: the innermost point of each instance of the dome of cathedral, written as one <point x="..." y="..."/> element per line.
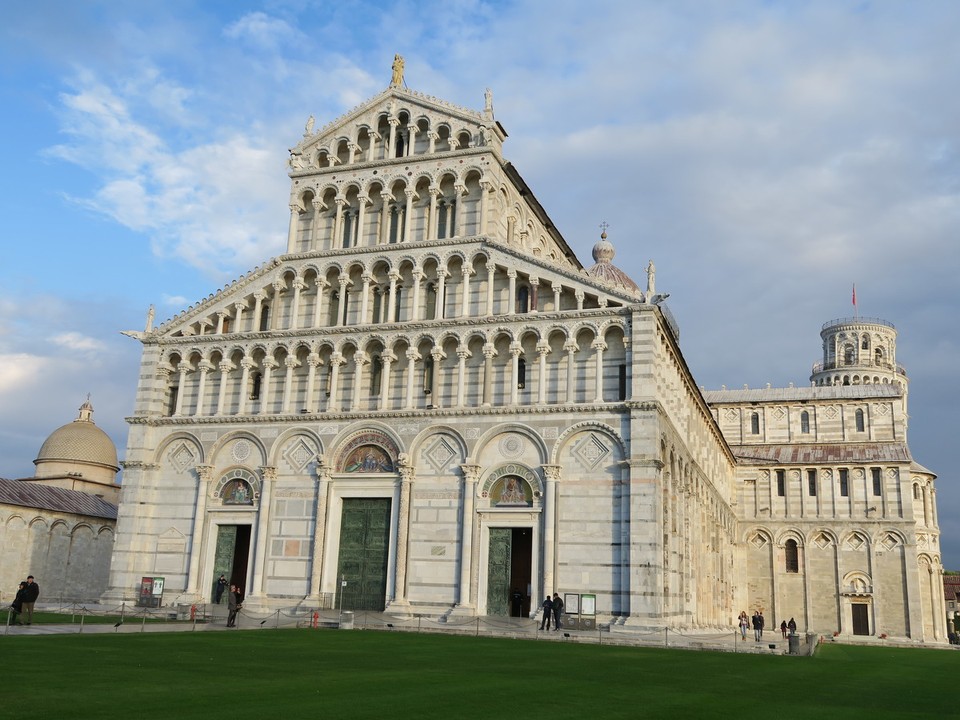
<point x="80" y="442"/>
<point x="603" y="254"/>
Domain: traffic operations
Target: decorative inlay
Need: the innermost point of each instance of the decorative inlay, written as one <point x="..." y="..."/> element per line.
<point x="855" y="541"/>
<point x="831" y="412"/>
<point x="889" y="542"/>
<point x="299" y="454"/>
<point x="238" y="487"/>
<point x="269" y="432"/>
<point x="182" y="457"/>
<point x="758" y="541"/>
<point x="590" y="450"/>
<point x="408" y="428"/>
<point x="472" y="433"/>
<point x="779" y="413"/>
<point x="511" y="446"/>
<point x="732" y="414"/>
<point x="240" y="450"/>
<point x="209" y="435"/>
<point x="328" y="429"/>
<point x="438" y="550"/>
<point x="550" y="433"/>
<point x="880" y="409"/>
<point x="822" y="540"/>
<point x="439" y="453"/>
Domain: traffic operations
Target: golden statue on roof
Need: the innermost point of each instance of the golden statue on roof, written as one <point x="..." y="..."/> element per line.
<point x="397" y="79"/>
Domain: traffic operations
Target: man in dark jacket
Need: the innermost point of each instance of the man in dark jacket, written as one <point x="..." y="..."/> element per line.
<point x="547" y="612"/>
<point x="557" y="611"/>
<point x="30" y="594"/>
<point x="233" y="606"/>
<point x="17" y="605"/>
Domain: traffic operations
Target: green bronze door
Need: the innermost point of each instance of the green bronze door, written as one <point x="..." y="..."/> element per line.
<point x="498" y="572"/>
<point x="364" y="551"/>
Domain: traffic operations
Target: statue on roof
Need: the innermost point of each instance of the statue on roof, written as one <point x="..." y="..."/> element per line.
<point x="151" y="314"/>
<point x="397" y="79"/>
<point x="651" y="279"/>
<point x="308" y="128"/>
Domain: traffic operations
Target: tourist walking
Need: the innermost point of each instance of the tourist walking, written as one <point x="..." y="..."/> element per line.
<point x="30" y="594"/>
<point x="547" y="612"/>
<point x="762" y="623"/>
<point x="557" y="611"/>
<point x="744" y="623"/>
<point x="757" y="629"/>
<point x="783" y="629"/>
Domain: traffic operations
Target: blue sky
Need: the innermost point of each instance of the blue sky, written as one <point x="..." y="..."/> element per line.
<point x="766" y="155"/>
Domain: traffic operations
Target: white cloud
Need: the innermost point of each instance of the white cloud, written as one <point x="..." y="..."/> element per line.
<point x="262" y="30"/>
<point x="20" y="369"/>
<point x="77" y="342"/>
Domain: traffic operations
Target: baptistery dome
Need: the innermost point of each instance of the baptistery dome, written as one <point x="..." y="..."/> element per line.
<point x="79" y="449"/>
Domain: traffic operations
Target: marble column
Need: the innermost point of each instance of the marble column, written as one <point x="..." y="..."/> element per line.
<point x="290" y="363"/>
<point x="225" y="367"/>
<point x="203" y="367"/>
<point x="571" y="348"/>
<point x="462" y="355"/>
<point x="313" y="362"/>
<point x="543" y="349"/>
<point x="599" y="346"/>
<point x="204" y="475"/>
<point x="319" y="530"/>
<point x="488" y="354"/>
<point x="551" y="474"/>
<point x="336" y="360"/>
<point x="471" y="474"/>
<point x="247" y="364"/>
<point x="268" y="476"/>
<point x="412" y="357"/>
<point x="403" y="530"/>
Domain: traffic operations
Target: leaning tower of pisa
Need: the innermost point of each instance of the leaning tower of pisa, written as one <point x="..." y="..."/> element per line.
<point x="859" y="351"/>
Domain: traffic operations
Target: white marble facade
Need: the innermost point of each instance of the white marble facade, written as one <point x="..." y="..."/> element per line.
<point x="429" y="338"/>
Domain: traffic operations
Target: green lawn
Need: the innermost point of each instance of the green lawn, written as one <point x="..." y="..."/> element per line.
<point x="268" y="674"/>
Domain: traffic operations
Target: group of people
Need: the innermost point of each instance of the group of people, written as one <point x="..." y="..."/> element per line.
<point x="552" y="608"/>
<point x="758" y="623"/>
<point x="22" y="605"/>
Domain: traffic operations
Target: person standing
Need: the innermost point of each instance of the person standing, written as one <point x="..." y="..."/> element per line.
<point x="233" y="606"/>
<point x="757" y="631"/>
<point x="547" y="612"/>
<point x="762" y="623"/>
<point x="221" y="586"/>
<point x="557" y="611"/>
<point x="30" y="594"/>
<point x="17" y="605"/>
<point x="792" y="626"/>
<point x="783" y="629"/>
<point x="744" y="623"/>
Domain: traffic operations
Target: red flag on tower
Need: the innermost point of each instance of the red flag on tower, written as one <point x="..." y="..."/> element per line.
<point x="855" y="311"/>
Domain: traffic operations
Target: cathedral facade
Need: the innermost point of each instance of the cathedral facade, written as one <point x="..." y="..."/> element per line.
<point x="428" y="404"/>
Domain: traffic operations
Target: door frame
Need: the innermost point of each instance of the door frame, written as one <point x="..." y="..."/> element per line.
<point x="211" y="528"/>
<point x="524" y="517"/>
<point x="365" y="486"/>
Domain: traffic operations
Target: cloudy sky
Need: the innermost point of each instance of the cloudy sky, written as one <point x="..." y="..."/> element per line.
<point x="767" y="155"/>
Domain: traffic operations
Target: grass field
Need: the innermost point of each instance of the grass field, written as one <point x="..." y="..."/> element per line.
<point x="365" y="674"/>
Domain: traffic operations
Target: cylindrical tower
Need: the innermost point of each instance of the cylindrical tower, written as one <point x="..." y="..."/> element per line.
<point x="859" y="351"/>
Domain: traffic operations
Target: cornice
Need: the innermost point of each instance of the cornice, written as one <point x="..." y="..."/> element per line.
<point x="303" y="418"/>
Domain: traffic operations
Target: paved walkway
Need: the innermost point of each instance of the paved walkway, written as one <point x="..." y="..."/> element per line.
<point x="213" y="619"/>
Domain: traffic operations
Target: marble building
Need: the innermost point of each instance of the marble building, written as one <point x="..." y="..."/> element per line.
<point x="430" y="397"/>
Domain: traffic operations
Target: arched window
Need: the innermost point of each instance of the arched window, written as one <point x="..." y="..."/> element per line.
<point x="523" y="299"/>
<point x="805" y="422"/>
<point x="255" y="382"/>
<point x="848" y="354"/>
<point x="431" y="308"/>
<point x="377" y="305"/>
<point x="755" y="423"/>
<point x="441" y="220"/>
<point x="878" y="356"/>
<point x="399" y="145"/>
<point x="376" y="376"/>
<point x="264" y="318"/>
<point x="396" y="223"/>
<point x="859" y="420"/>
<point x="521" y="373"/>
<point x="865" y="343"/>
<point x="333" y="308"/>
<point x="347" y="229"/>
<point x="791" y="556"/>
<point x="174" y="391"/>
<point x="428" y="375"/>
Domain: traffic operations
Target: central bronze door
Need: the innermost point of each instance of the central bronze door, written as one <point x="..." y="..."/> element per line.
<point x="364" y="551"/>
<point x="508" y="572"/>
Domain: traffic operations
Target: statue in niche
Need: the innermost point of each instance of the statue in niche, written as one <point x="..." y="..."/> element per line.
<point x="512" y="492"/>
<point x="397" y="67"/>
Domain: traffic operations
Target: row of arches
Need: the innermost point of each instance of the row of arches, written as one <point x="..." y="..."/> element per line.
<point x="390" y="134"/>
<point x="392" y="371"/>
<point x="381" y="290"/>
